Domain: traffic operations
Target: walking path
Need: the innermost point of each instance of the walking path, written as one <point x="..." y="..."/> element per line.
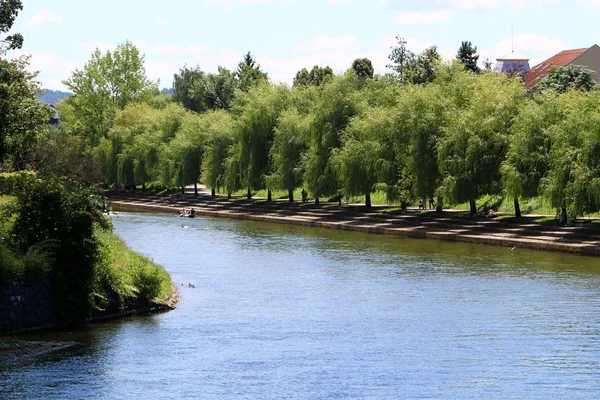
<point x="580" y="238"/>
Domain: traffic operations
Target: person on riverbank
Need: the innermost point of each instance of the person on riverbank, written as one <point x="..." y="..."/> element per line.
<point x="304" y="196"/>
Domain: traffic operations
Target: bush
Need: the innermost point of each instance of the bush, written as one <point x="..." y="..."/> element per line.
<point x="147" y="280"/>
<point x="45" y="209"/>
<point x="11" y="180"/>
<point x="10" y="265"/>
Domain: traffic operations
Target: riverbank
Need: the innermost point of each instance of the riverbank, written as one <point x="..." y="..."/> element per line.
<point x="528" y="232"/>
<point x="20" y="351"/>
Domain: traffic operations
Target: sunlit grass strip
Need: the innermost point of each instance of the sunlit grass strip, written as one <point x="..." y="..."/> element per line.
<point x="131" y="274"/>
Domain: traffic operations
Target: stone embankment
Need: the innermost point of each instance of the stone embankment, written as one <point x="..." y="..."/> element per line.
<point x="579" y="238"/>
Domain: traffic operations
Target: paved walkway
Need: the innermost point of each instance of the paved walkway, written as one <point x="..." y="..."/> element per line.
<point x="580" y="238"/>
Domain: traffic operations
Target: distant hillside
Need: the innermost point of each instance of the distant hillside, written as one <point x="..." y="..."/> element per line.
<point x="52" y="96"/>
<point x="168" y="91"/>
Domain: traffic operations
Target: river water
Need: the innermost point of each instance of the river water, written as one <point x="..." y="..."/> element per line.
<point x="286" y="312"/>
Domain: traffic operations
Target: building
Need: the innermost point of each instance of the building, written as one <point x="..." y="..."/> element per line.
<point x="587" y="57"/>
<point x="512" y="64"/>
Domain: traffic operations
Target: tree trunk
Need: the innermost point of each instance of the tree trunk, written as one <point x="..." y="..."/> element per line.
<point x="183" y="190"/>
<point x="368" y="200"/>
<point x="196" y="189"/>
<point x="212" y="192"/>
<point x="249" y="195"/>
<point x="144" y="186"/>
<point x="269" y="195"/>
<point x="517" y="208"/>
<point x="473" y="206"/>
<point x="317" y="201"/>
<point x="228" y="196"/>
<point x="290" y="195"/>
<point x="438" y="205"/>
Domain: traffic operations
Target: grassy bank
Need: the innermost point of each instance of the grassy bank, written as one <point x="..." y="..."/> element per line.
<point x="128" y="273"/>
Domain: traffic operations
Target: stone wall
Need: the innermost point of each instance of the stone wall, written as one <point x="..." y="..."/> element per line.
<point x="27" y="304"/>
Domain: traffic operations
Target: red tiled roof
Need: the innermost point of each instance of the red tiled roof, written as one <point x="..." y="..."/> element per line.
<point x="540" y="71"/>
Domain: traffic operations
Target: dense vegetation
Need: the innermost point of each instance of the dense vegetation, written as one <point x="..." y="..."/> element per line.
<point x="427" y="130"/>
<point x="59" y="231"/>
<point x="52" y="221"/>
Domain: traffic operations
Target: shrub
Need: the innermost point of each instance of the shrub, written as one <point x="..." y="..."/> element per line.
<point x="147" y="280"/>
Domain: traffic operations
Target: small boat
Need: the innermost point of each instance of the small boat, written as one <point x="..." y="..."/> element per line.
<point x="188" y="214"/>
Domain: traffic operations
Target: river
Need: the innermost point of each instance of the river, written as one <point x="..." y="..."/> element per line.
<point x="287" y="312"/>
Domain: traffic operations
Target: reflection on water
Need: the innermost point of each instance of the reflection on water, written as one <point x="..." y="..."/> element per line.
<point x="291" y="312"/>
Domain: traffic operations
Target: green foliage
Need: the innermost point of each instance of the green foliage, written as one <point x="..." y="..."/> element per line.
<point x="249" y="74"/>
<point x="22" y="117"/>
<point x="9" y="9"/>
<point x="289" y="145"/>
<point x="568" y="77"/>
<point x="61" y="220"/>
<point x="218" y="128"/>
<point x="318" y="76"/>
<point x="257" y="112"/>
<point x="107" y="83"/>
<point x="476" y="133"/>
<point x="200" y="92"/>
<point x="363" y="68"/>
<point x="467" y="55"/>
<point x="338" y="102"/>
<point x="400" y="57"/>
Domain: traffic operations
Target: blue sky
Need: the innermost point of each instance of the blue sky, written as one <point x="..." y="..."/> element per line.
<point x="287" y="35"/>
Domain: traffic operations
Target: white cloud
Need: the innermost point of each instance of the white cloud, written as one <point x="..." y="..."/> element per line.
<point x="422" y="17"/>
<point x="162" y="22"/>
<point x="43" y="17"/>
<point x="323" y="42"/>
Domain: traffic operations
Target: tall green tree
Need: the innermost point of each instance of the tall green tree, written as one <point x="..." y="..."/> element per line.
<point x="219" y="140"/>
<point x="467" y="55"/>
<point x="363" y="68"/>
<point x="22" y="117"/>
<point x="200" y="92"/>
<point x="318" y="76"/>
<point x="422" y="68"/>
<point x="573" y="178"/>
<point x="400" y="58"/>
<point x="249" y="73"/>
<point x="530" y="145"/>
<point x="256" y="114"/>
<point x="106" y="84"/>
<point x="338" y="102"/>
<point x="366" y="156"/>
<point x="289" y="145"/>
<point x="476" y="134"/>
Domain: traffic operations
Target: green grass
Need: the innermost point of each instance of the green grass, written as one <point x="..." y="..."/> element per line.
<point x="131" y="274"/>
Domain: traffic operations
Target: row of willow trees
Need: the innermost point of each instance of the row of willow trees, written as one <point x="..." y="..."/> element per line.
<point x="460" y="137"/>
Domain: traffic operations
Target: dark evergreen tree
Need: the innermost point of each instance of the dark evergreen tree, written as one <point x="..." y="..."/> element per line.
<point x="467" y="54"/>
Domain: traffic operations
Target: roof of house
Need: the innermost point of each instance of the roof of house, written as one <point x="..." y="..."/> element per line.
<point x="512" y="56"/>
<point x="540" y="71"/>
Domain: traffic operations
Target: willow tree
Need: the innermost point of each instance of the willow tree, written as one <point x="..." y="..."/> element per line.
<point x="289" y="145"/>
<point x="219" y="138"/>
<point x="420" y="119"/>
<point x="476" y="133"/>
<point x="528" y="157"/>
<point x="256" y="114"/>
<point x="338" y="102"/>
<point x="367" y="154"/>
<point x="186" y="150"/>
<point x="573" y="178"/>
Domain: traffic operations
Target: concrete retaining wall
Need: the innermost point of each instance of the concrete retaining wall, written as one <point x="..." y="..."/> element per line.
<point x="27" y="304"/>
